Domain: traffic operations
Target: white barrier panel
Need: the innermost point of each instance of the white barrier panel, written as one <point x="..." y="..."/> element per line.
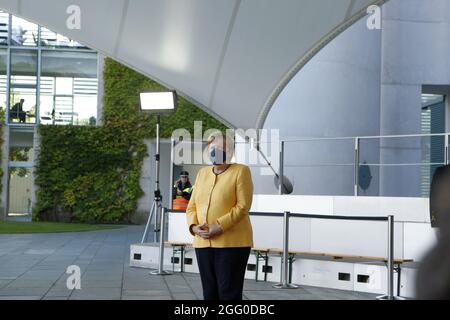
<point x="372" y="278"/>
<point x="267" y="231"/>
<point x="362" y="238"/>
<point x="336" y="275"/>
<point x="178" y="228"/>
<point x="419" y="239"/>
<point x="299" y="234"/>
<point x="413" y="234"/>
<point x="146" y="256"/>
<point x="403" y="209"/>
<point x="366" y="238"/>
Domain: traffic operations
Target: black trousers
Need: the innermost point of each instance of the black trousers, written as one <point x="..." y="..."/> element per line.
<point x="222" y="272"/>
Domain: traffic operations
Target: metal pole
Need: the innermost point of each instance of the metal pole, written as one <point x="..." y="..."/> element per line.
<point x="160" y="270"/>
<point x="157" y="157"/>
<point x="156" y="206"/>
<point x="157" y="190"/>
<point x="281" y="170"/>
<point x="356" y="168"/>
<point x="446" y="160"/>
<point x="38" y="85"/>
<point x="390" y="257"/>
<point x="172" y="160"/>
<point x="390" y="263"/>
<point x="155" y="223"/>
<point x="285" y="270"/>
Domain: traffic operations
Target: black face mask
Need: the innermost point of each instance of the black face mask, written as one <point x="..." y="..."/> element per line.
<point x="217" y="156"/>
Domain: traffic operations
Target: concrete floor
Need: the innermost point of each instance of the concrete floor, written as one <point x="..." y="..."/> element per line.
<point x="33" y="266"/>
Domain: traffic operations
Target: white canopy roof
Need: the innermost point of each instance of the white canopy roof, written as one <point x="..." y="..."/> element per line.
<point x="231" y="57"/>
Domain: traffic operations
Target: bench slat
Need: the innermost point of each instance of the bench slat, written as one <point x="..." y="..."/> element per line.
<point x="339" y="256"/>
<point x="175" y="243"/>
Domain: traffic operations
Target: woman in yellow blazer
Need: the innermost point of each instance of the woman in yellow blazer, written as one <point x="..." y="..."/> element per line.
<point x="217" y="217"/>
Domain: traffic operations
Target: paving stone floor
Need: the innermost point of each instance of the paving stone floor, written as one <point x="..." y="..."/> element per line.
<point x="33" y="266"/>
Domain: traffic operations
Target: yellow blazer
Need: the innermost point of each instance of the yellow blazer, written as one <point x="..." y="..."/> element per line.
<point x="223" y="199"/>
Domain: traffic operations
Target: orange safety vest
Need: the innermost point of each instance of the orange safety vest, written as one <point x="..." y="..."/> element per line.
<point x="180" y="204"/>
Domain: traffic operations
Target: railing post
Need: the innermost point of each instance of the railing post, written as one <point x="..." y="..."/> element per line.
<point x="281" y="170"/>
<point x="390" y="257"/>
<point x="160" y="270"/>
<point x="285" y="270"/>
<point x="390" y="263"/>
<point x="356" y="168"/>
<point x="446" y="156"/>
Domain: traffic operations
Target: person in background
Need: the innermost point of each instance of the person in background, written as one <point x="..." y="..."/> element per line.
<point x="182" y="191"/>
<point x="433" y="276"/>
<point x="218" y="218"/>
<point x="17" y="111"/>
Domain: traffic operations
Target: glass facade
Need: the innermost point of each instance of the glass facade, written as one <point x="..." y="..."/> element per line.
<point x="45" y="78"/>
<point x="3" y="85"/>
<point x="23" y="86"/>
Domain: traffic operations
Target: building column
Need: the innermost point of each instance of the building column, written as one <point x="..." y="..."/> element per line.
<point x="36" y="152"/>
<point x="5" y="168"/>
<point x="101" y="87"/>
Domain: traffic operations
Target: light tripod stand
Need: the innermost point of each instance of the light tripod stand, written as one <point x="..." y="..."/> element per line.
<point x="157" y="200"/>
<point x="157" y="103"/>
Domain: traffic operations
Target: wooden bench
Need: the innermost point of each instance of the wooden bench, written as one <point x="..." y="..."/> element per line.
<point x="293" y="253"/>
<point x="178" y="248"/>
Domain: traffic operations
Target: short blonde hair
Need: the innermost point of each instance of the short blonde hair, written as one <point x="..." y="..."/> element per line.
<point x="228" y="141"/>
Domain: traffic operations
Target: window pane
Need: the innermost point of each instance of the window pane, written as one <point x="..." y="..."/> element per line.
<point x="69" y="64"/>
<point x="20" y="188"/>
<point x="68" y="88"/>
<point x="4" y="23"/>
<point x="85" y="108"/>
<point x="64" y="86"/>
<point x="23" y="86"/>
<point x="3" y="62"/>
<point x="46" y="97"/>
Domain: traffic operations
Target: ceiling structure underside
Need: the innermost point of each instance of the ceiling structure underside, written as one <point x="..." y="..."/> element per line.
<point x="230" y="57"/>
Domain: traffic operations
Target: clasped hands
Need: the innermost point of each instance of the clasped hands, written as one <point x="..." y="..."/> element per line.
<point x="207" y="231"/>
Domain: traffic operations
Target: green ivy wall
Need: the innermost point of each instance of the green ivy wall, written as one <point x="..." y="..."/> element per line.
<point x="91" y="174"/>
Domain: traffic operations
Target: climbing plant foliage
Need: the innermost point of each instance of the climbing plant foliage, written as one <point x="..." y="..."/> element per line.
<point x="91" y="174"/>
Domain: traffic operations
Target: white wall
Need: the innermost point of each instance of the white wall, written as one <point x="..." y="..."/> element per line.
<point x="415" y="52"/>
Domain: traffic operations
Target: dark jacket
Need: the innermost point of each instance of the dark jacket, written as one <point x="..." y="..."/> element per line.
<point x="433" y="276"/>
<point x="440" y="195"/>
<point x="185" y="190"/>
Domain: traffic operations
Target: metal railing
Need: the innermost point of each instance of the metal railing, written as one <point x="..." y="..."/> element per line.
<point x="351" y="154"/>
<point x="285" y="254"/>
<point x="311" y="163"/>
